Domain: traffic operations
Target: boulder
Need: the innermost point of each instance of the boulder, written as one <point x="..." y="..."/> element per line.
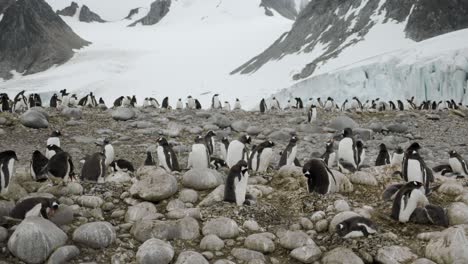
<point x="223" y="227"/>
<point x="458" y="213"/>
<point x="191" y="257"/>
<point x="185" y="229"/>
<point x="260" y="243"/>
<point x="449" y="246"/>
<point x="217" y="195"/>
<point x="202" y="179"/>
<point x="342" y="122"/>
<point x="63" y="255"/>
<point x="96" y="235"/>
<point x="72" y="113"/>
<point x="307" y="254"/>
<point x="123" y="114"/>
<point x="294" y="239"/>
<point x="140" y="211"/>
<point x="395" y="254"/>
<point x="240" y="125"/>
<point x="363" y="178"/>
<point x="34" y="119"/>
<point x="211" y="243"/>
<point x="155" y="251"/>
<point x="247" y="255"/>
<point x="341" y="255"/>
<point x="154" y="187"/>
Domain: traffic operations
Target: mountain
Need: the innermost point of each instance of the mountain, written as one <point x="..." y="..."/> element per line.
<point x="4" y="4"/>
<point x="287" y="8"/>
<point x="84" y="13"/>
<point x="34" y="38"/>
<point x="158" y="10"/>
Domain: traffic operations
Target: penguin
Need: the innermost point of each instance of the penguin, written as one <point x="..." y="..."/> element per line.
<point x="217" y="163"/>
<point x="291" y="105"/>
<point x="458" y="164"/>
<point x="53" y="140"/>
<point x="407" y="200"/>
<point x="73" y="100"/>
<point x="401" y="106"/>
<point x="199" y="157"/>
<point x="165" y="103"/>
<point x="179" y="104"/>
<point x="197" y="104"/>
<point x="118" y="101"/>
<point x="329" y="104"/>
<point x="411" y="103"/>
<point x="320" y="178"/>
<point x="312" y="114"/>
<point x="367" y="105"/>
<point x="126" y="101"/>
<point x="391" y="191"/>
<point x="299" y="103"/>
<point x="237" y="150"/>
<point x="430" y="215"/>
<point x="149" y="161"/>
<point x="122" y="165"/>
<point x="361" y="151"/>
<point x="61" y="166"/>
<point x="133" y="101"/>
<point x="227" y="106"/>
<point x="356" y="104"/>
<point x="355" y="227"/>
<point x="263" y="106"/>
<point x="47" y="207"/>
<point x="383" y="158"/>
<point x="38" y="163"/>
<point x="153" y="102"/>
<point x="329" y="156"/>
<point x="20" y="102"/>
<point x="434" y="106"/>
<point x="320" y="103"/>
<point x="190" y="102"/>
<point x="392" y="105"/>
<point x="166" y="155"/>
<point x="108" y="151"/>
<point x="7" y="166"/>
<point x="236" y="183"/>
<point x="260" y="157"/>
<point x="31" y="101"/>
<point x="237" y="104"/>
<point x="4" y="102"/>
<point x="210" y="142"/>
<point x="415" y="169"/>
<point x="94" y="168"/>
<point x="146" y="103"/>
<point x="52" y="150"/>
<point x="215" y="102"/>
<point x="347" y="152"/>
<point x="343" y="106"/>
<point x="397" y="157"/>
<point x="288" y="156"/>
<point x="64" y="97"/>
<point x="223" y="146"/>
<point x="274" y="104"/>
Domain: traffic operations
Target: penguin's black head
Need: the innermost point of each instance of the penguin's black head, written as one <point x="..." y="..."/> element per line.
<point x="243" y="167"/>
<point x="342" y="228"/>
<point x="198" y="139"/>
<point x="383" y="147"/>
<point x="414" y="147"/>
<point x="313" y="106"/>
<point x="318" y="99"/>
<point x="225" y="140"/>
<point x="106" y="141"/>
<point x="271" y="143"/>
<point x="162" y="141"/>
<point x="359" y="144"/>
<point x="56" y="133"/>
<point x="354" y="97"/>
<point x="347" y="132"/>
<point x="452" y="153"/>
<point x="246" y="139"/>
<point x="49" y="208"/>
<point x="293" y="139"/>
<point x="189" y="96"/>
<point x="180" y="99"/>
<point x="414" y="185"/>
<point x="210" y="133"/>
<point x="399" y="150"/>
<point x="237" y="99"/>
<point x="7" y="155"/>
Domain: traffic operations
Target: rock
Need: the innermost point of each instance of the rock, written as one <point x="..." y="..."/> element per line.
<point x="212" y="243"/>
<point x="342" y="122"/>
<point x="87" y="16"/>
<point x="432" y="117"/>
<point x="306" y="223"/>
<point x="321" y="225"/>
<point x="118" y="177"/>
<point x="95" y="235"/>
<point x="123" y="114"/>
<point x="72" y="113"/>
<point x="423" y="261"/>
<point x="181" y="213"/>
<point x="6" y="207"/>
<point x="251" y="225"/>
<point x="376" y="127"/>
<point x="395" y="254"/>
<point x="34" y="119"/>
<point x="62" y="216"/>
<point x="90" y="201"/>
<point x="341" y="255"/>
<point x="72" y="188"/>
<point x="202" y="179"/>
<point x="223" y="227"/>
<point x="363" y="134"/>
<point x="185" y="229"/>
<point x="69" y="10"/>
<point x="457" y="213"/>
<point x="280" y="136"/>
<point x="364" y="178"/>
<point x="224" y="261"/>
<point x="35" y="239"/>
<point x="289" y="178"/>
<point x="240" y="125"/>
<point x="154" y="187"/>
<point x="307" y="254"/>
<point x="259" y="242"/>
<point x="397" y="128"/>
<point x="450" y="188"/>
<point x="343" y="184"/>
<point x="294" y="239"/>
<point x="191" y="257"/>
<point x="340" y="218"/>
<point x="63" y="255"/>
<point x="155" y="251"/>
<point x="217" y="195"/>
<point x="449" y="246"/>
<point x="247" y="254"/>
<point x="159" y="9"/>
<point x="221" y="121"/>
<point x="140" y="211"/>
<point x="319" y="215"/>
<point x="254" y="130"/>
<point x="188" y="196"/>
<point x="341" y="206"/>
<point x="3" y="234"/>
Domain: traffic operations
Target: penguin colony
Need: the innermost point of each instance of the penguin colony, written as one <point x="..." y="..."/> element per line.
<point x="410" y="203"/>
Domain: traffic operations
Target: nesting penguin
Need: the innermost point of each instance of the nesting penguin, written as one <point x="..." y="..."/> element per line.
<point x="312" y="114"/>
<point x="223" y="146"/>
<point x="414" y="167"/>
<point x="237" y="150"/>
<point x="260" y="157"/>
<point x="217" y="163"/>
<point x="288" y="156"/>
<point x="165" y="103"/>
<point x="397" y="157"/>
<point x="52" y="150"/>
<point x="166" y="156"/>
<point x="329" y="156"/>
<point x="383" y="158"/>
<point x="61" y="166"/>
<point x="197" y="104"/>
<point x="320" y="178"/>
<point x="354" y="227"/>
<point x="227" y="106"/>
<point x="94" y="168"/>
<point x="408" y="198"/>
<point x="38" y="164"/>
<point x="108" y="151"/>
<point x="329" y="104"/>
<point x="356" y="104"/>
<point x="199" y="157"/>
<point x="458" y="164"/>
<point x="210" y="142"/>
<point x="53" y="140"/>
<point x="235" y="189"/>
<point x="7" y="168"/>
<point x="121" y="165"/>
<point x="348" y="160"/>
<point x="46" y="207"/>
<point x="20" y="102"/>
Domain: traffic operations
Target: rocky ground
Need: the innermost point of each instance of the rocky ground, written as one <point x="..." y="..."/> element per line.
<point x="179" y="218"/>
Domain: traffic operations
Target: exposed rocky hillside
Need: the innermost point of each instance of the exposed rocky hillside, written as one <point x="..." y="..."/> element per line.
<point x="158" y="10"/>
<point x="85" y="15"/>
<point x="33" y="38"/>
<point x="287" y="8"/>
<point x="69" y="10"/>
<point x="4" y="5"/>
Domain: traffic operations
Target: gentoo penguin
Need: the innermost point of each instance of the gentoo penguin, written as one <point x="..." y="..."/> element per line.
<point x="146" y="103"/>
<point x="407" y="200"/>
<point x="397" y="157"/>
<point x="299" y="103"/>
<point x="165" y="103"/>
<point x="215" y="102"/>
<point x="361" y="151"/>
<point x="348" y="160"/>
<point x="4" y="102"/>
<point x="126" y="101"/>
<point x="391" y="191"/>
<point x="51" y="150"/>
<point x="210" y="142"/>
<point x="223" y="146"/>
<point x="354" y="227"/>
<point x="118" y="101"/>
<point x="263" y="106"/>
<point x="356" y="104"/>
<point x="217" y="163"/>
<point x="20" y="102"/>
<point x="458" y="164"/>
<point x="329" y="156"/>
<point x="73" y="100"/>
<point x="414" y="167"/>
<point x="237" y="105"/>
<point x="320" y="103"/>
<point x="179" y="104"/>
<point x="329" y="104"/>
<point x="236" y="183"/>
<point x="274" y="104"/>
<point x="392" y="105"/>
<point x="166" y="156"/>
<point x="401" y="106"/>
<point x="94" y="168"/>
<point x="291" y="104"/>
<point x="108" y="151"/>
<point x="47" y="208"/>
<point x="122" y="165"/>
<point x="197" y="104"/>
<point x="320" y="178"/>
<point x="288" y="156"/>
<point x="430" y="215"/>
<point x="153" y="102"/>
<point x="53" y="140"/>
<point x="199" y="157"/>
<point x="190" y="102"/>
<point x="7" y="166"/>
<point x="149" y="161"/>
<point x="31" y="102"/>
<point x="64" y="97"/>
<point x="38" y="163"/>
<point x="383" y="158"/>
<point x="237" y="150"/>
<point x="309" y="103"/>
<point x="260" y="157"/>
<point x="61" y="166"/>
<point x="312" y="114"/>
<point x="343" y="106"/>
<point x="227" y="106"/>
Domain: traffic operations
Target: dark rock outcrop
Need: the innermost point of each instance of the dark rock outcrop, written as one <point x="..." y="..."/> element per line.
<point x="4" y="4"/>
<point x="336" y="25"/>
<point x="286" y="8"/>
<point x="88" y="16"/>
<point x="133" y="12"/>
<point x="33" y="38"/>
<point x="69" y="10"/>
<point x="159" y="9"/>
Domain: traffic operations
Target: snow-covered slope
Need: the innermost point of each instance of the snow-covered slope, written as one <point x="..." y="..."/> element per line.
<point x="434" y="69"/>
<point x="190" y="51"/>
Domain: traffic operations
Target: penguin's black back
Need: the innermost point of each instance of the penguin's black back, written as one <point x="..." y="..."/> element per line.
<point x="39" y="162"/>
<point x="149" y="161"/>
<point x="94" y="167"/>
<point x="230" y="189"/>
<point x="23" y="207"/>
<point x="317" y="180"/>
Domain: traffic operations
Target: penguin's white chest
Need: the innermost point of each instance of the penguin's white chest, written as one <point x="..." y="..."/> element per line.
<point x="331" y="160"/>
<point x="191" y="103"/>
<point x="362" y="157"/>
<point x="223" y="150"/>
<point x="179" y="105"/>
<point x="53" y="141"/>
<point x="416" y="198"/>
<point x="199" y="158"/>
<point x="397" y="159"/>
<point x="414" y="171"/>
<point x="313" y="115"/>
<point x="292" y="156"/>
<point x="146" y="103"/>
<point x="235" y="152"/>
<point x="346" y="151"/>
<point x="162" y="158"/>
<point x="354" y="104"/>
<point x="241" y="189"/>
<point x="456" y="166"/>
<point x="328" y="105"/>
<point x="265" y="159"/>
<point x="237" y="106"/>
<point x="216" y="103"/>
<point x="109" y="153"/>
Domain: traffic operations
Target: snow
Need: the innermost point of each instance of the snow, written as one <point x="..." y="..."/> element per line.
<point x="1" y="17"/>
